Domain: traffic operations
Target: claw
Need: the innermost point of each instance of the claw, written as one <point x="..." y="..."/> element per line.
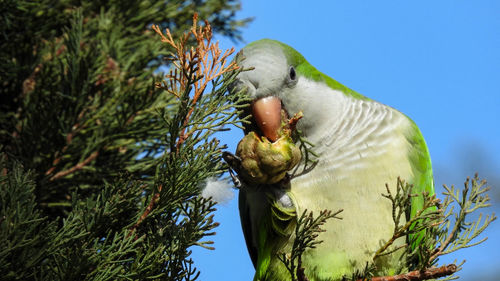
<point x="235" y="178"/>
<point x="232" y="160"/>
<point x="234" y="163"/>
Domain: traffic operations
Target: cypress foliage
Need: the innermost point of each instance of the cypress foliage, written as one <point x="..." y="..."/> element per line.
<point x="100" y="169"/>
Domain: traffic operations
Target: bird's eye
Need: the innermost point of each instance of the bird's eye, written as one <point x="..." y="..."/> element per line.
<point x="292" y="73"/>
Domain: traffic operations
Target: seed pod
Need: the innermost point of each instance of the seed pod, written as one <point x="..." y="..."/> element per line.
<point x="264" y="161"/>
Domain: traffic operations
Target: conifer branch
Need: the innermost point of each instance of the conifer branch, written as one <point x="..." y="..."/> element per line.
<point x="77" y="167"/>
<point x="148" y="209"/>
<point x="435" y="241"/>
<point x="473" y="197"/>
<point x="69" y="138"/>
<point x="193" y="69"/>
<point x="103" y="195"/>
<point x="428" y="216"/>
<point x="307" y="230"/>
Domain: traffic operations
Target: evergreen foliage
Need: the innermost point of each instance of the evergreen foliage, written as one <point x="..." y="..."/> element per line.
<point x="441" y="228"/>
<point x="102" y="161"/>
<point x="101" y="168"/>
<point x="307" y="230"/>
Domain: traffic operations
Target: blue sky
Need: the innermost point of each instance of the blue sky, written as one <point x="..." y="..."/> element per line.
<point x="436" y="61"/>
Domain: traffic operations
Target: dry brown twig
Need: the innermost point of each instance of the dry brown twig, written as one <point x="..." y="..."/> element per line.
<point x="429" y="273"/>
<point x="213" y="60"/>
<point x="148" y="210"/>
<point x="77" y="167"/>
<point x="59" y="154"/>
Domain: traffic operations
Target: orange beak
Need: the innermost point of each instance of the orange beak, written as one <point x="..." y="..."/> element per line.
<point x="267" y="114"/>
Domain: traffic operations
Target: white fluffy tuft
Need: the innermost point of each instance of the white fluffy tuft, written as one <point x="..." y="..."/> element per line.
<point x="220" y="191"/>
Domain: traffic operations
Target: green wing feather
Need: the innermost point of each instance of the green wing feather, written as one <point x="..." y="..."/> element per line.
<point x="269" y="231"/>
<point x="246" y="225"/>
<point x="422" y="175"/>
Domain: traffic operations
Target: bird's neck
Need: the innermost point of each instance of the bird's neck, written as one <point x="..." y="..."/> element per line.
<point x="359" y="123"/>
<point x="340" y="123"/>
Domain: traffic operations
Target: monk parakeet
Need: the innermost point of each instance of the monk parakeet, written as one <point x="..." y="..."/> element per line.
<point x="362" y="146"/>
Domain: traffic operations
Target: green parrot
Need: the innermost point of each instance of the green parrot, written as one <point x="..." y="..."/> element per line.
<point x="362" y="146"/>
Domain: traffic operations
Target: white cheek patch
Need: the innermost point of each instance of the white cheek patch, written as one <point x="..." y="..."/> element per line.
<point x="322" y="106"/>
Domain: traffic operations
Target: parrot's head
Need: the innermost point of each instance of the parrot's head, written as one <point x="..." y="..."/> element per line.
<point x="281" y="78"/>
